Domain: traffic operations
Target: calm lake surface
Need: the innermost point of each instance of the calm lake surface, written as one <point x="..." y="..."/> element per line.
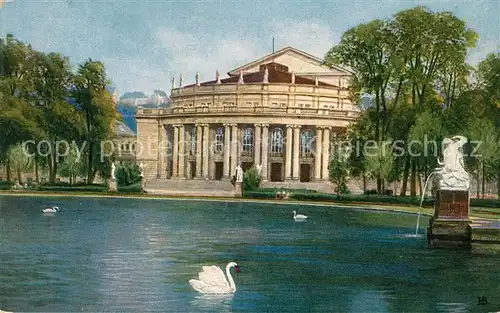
<point x="138" y="255"/>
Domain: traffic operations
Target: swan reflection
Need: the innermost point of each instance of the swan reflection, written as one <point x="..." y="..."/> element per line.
<point x="213" y="302"/>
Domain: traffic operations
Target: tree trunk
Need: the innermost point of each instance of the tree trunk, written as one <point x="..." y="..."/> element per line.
<point x="49" y="164"/>
<point x="7" y="170"/>
<point x="419" y="178"/>
<point x="406" y="172"/>
<point x="478" y="184"/>
<point x="19" y="176"/>
<point x="37" y="177"/>
<point x="379" y="186"/>
<point x="413" y="189"/>
<point x="364" y="183"/>
<point x="498" y="184"/>
<point x="90" y="170"/>
<point x="483" y="181"/>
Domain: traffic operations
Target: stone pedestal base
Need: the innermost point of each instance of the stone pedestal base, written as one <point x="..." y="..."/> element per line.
<point x="449" y="234"/>
<point x="112" y="185"/>
<point x="452" y="204"/>
<point x="238" y="191"/>
<point x="143" y="185"/>
<point x="449" y="227"/>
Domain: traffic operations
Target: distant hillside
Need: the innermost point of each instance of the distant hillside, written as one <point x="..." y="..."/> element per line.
<point x="133" y="94"/>
<point x="128" y="114"/>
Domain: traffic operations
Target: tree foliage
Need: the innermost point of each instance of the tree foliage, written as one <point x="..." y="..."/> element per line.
<point x="41" y="98"/>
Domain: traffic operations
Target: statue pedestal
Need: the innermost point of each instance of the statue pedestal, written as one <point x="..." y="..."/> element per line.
<point x="112" y="185"/>
<point x="449" y="227"/>
<point x="238" y="190"/>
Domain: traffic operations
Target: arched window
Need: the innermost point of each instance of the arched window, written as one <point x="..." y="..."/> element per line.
<point x="219" y="140"/>
<point x="277" y="140"/>
<point x="306" y="139"/>
<point x="248" y="140"/>
<point x="193" y="141"/>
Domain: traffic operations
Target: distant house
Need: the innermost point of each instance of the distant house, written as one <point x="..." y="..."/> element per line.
<point x="124" y="143"/>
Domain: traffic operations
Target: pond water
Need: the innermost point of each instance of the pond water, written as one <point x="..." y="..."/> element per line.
<point x="138" y="255"/>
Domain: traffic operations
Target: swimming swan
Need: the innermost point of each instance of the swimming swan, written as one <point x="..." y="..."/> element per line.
<point x="213" y="281"/>
<point x="51" y="210"/>
<point x="298" y="216"/>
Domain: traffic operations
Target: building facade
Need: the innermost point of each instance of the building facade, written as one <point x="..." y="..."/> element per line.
<point x="280" y="113"/>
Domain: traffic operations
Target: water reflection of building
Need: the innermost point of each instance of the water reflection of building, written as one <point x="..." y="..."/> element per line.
<point x="281" y="112"/>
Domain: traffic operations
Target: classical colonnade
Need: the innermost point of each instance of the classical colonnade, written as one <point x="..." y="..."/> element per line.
<point x="231" y="144"/>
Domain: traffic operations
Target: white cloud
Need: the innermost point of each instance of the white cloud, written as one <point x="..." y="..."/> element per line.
<point x="135" y="74"/>
<point x="189" y="53"/>
<point x="312" y="37"/>
<point x="483" y="48"/>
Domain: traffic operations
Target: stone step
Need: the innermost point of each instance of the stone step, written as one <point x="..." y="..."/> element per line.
<point x="325" y="187"/>
<point x="189" y="185"/>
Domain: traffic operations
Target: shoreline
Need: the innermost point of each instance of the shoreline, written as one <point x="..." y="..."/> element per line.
<point x="414" y="210"/>
<point x="385" y="207"/>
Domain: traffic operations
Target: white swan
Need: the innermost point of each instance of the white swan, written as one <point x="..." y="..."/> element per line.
<point x="298" y="216"/>
<point x="213" y="281"/>
<point x="51" y="210"/>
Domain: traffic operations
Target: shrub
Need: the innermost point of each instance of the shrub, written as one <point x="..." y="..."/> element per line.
<point x="134" y="188"/>
<point x="79" y="188"/>
<point x="127" y="174"/>
<point x="6" y="185"/>
<point x="251" y="179"/>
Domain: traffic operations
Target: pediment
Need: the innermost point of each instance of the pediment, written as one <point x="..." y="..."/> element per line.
<point x="297" y="61"/>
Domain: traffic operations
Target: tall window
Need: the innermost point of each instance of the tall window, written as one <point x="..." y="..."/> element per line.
<point x="193" y="140"/>
<point x="277" y="140"/>
<point x="306" y="139"/>
<point x="219" y="140"/>
<point x="248" y="140"/>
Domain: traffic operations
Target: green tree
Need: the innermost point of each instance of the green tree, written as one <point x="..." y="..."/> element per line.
<point x="71" y="167"/>
<point x="380" y="160"/>
<point x="338" y="169"/>
<point x="251" y="179"/>
<point x="98" y="111"/>
<point x="19" y="161"/>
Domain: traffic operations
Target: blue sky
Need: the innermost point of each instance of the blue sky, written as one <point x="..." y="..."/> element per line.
<point x="144" y="43"/>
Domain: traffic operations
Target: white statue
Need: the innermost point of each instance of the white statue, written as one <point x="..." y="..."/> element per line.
<point x="141" y="167"/>
<point x="217" y="78"/>
<point x="266" y="77"/>
<point x="452" y="174"/>
<point x="259" y="169"/>
<point x="113" y="170"/>
<point x="239" y="174"/>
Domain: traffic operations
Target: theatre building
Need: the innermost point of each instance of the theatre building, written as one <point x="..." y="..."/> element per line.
<point x="281" y="113"/>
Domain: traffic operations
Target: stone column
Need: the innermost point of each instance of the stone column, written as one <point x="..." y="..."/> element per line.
<point x="296" y="153"/>
<point x="257" y="142"/>
<point x="265" y="151"/>
<point x="326" y="153"/>
<point x="187" y="148"/>
<point x="288" y="154"/>
<point x="168" y="150"/>
<point x="175" y="153"/>
<point x="206" y="151"/>
<point x="182" y="152"/>
<point x="318" y="153"/>
<point x="227" y="147"/>
<point x="162" y="152"/>
<point x="199" y="131"/>
<point x="234" y="147"/>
